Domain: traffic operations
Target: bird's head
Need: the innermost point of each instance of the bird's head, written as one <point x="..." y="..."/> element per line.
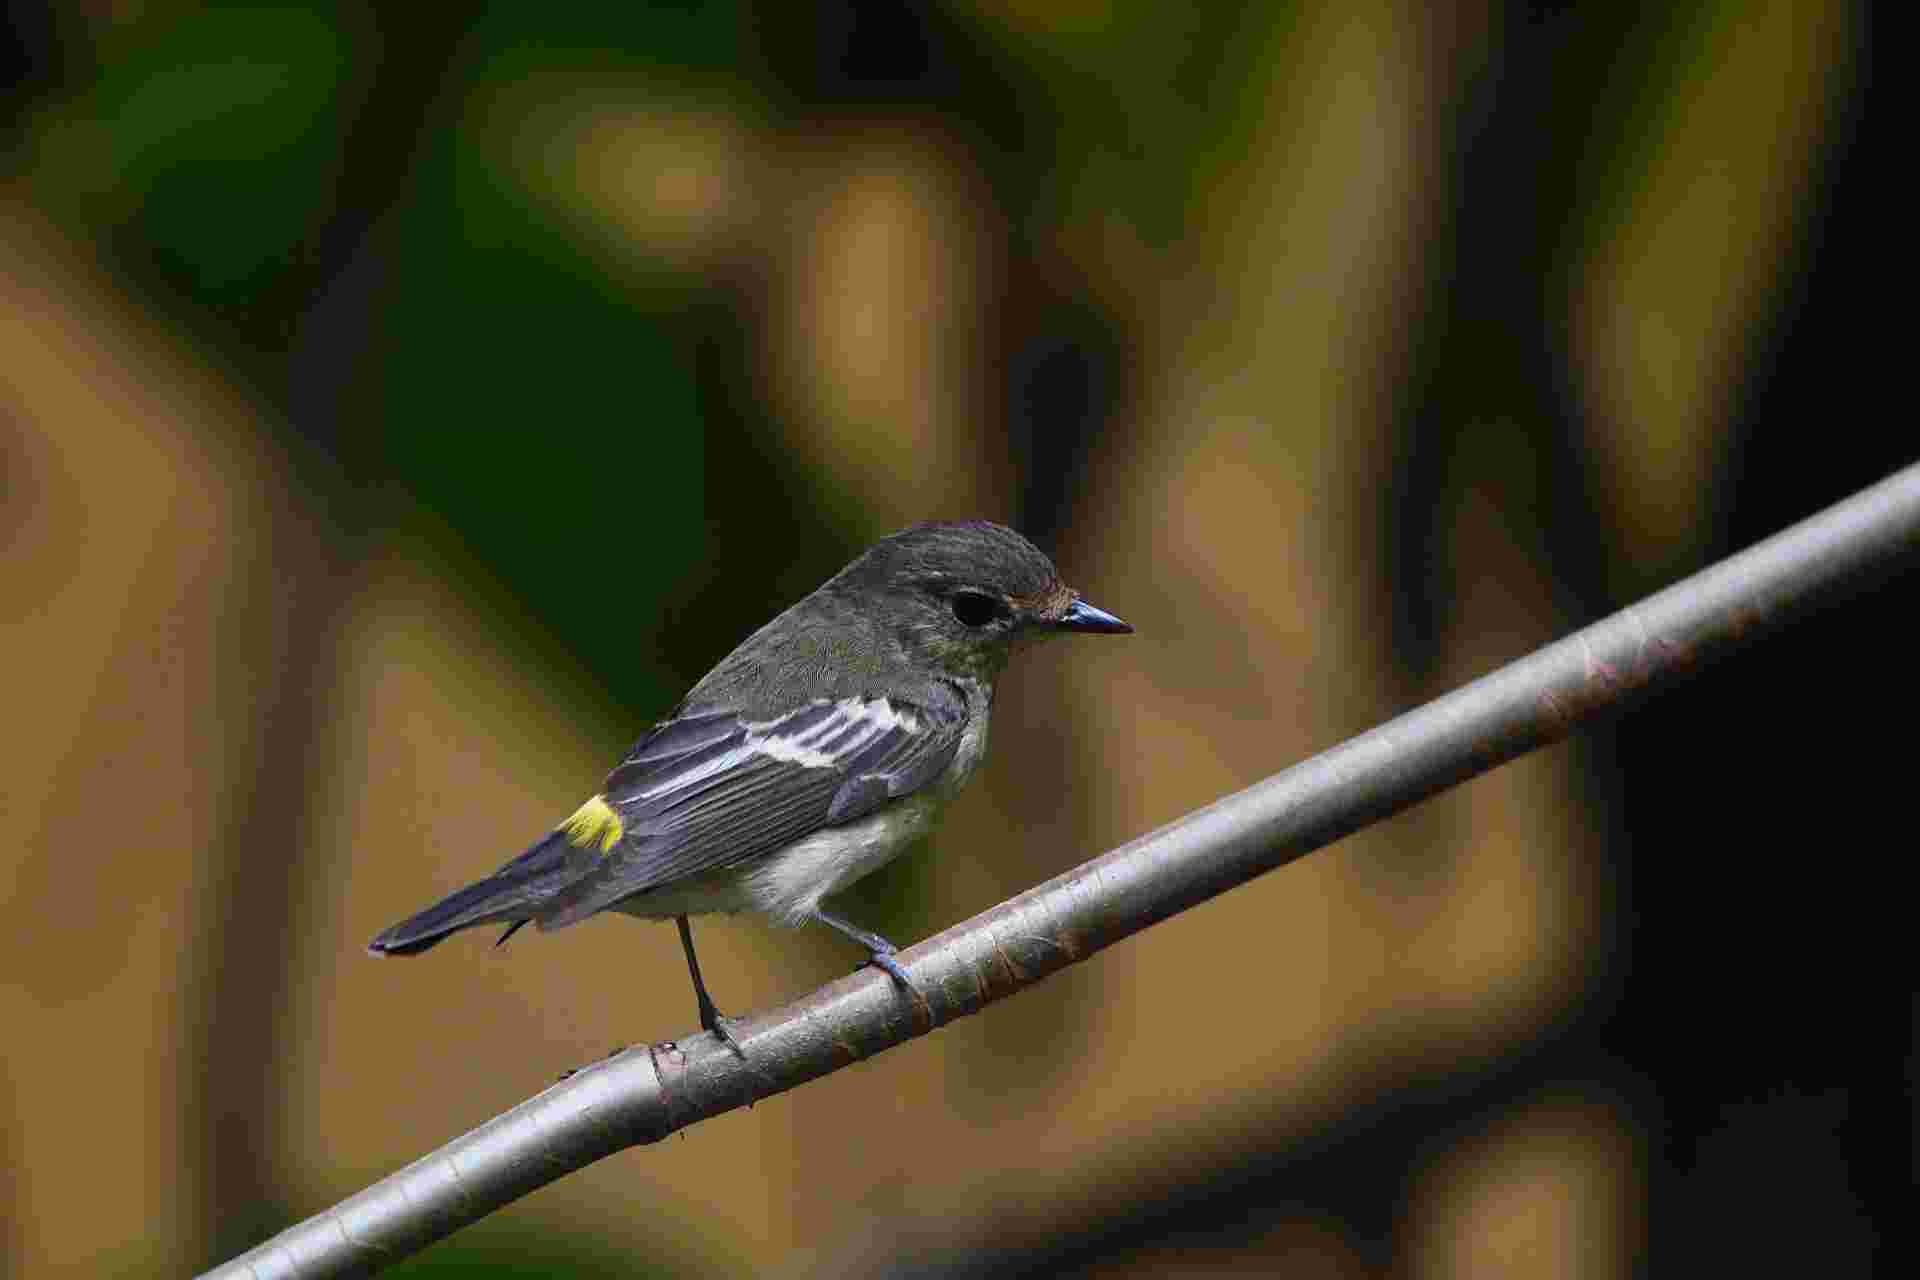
<point x="959" y="594"/>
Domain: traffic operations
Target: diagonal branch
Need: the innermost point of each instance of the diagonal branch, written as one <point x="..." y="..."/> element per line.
<point x="644" y="1094"/>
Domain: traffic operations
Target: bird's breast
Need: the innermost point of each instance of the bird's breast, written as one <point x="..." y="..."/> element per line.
<point x="968" y="755"/>
<point x="789" y="883"/>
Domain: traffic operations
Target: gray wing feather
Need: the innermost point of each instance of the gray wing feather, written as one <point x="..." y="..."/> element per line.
<point x="887" y="779"/>
<point x="712" y="788"/>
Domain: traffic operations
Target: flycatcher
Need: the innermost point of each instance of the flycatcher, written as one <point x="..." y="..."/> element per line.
<point x="812" y="755"/>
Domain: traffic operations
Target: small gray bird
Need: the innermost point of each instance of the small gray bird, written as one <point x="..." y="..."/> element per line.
<point x="812" y="755"/>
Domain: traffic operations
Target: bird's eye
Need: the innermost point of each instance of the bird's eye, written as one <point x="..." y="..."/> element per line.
<point x="976" y="608"/>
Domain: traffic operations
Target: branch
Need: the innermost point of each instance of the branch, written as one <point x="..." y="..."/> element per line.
<point x="644" y="1094"/>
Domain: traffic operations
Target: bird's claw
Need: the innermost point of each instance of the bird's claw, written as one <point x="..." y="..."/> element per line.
<point x="719" y="1023"/>
<point x="884" y="961"/>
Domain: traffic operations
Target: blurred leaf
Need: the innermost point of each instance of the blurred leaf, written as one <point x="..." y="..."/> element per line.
<point x="548" y="414"/>
<point x="518" y="1253"/>
<point x="1143" y="97"/>
<point x="213" y="143"/>
<point x="686" y="40"/>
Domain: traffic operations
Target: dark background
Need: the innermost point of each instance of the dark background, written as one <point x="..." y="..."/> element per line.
<point x="402" y="405"/>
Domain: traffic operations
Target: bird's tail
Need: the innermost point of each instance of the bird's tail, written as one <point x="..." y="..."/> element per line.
<point x="516" y="892"/>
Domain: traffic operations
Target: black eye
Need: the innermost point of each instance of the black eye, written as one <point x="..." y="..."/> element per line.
<point x="976" y="608"/>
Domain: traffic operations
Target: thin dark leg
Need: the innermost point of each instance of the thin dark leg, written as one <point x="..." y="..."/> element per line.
<point x="710" y="1017"/>
<point x="879" y="953"/>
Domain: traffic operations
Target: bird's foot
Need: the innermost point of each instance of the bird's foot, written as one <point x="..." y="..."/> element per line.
<point x="721" y="1029"/>
<point x="720" y="1024"/>
<point x="883" y="960"/>
<point x="880" y="955"/>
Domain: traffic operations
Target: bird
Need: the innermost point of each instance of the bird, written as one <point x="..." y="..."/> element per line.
<point x="812" y="755"/>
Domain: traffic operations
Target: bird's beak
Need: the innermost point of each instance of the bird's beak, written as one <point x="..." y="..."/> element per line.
<point x="1081" y="616"/>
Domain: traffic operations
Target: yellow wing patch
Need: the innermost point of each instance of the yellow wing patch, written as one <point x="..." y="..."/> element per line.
<point x="594" y="822"/>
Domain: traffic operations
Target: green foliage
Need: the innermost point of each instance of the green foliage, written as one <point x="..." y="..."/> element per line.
<point x="545" y="413"/>
<point x="214" y="143"/>
<point x="521" y="1253"/>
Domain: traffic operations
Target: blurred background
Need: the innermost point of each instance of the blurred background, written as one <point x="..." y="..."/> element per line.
<point x="400" y="405"/>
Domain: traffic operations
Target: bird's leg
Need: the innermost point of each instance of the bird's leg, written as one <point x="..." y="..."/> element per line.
<point x="881" y="951"/>
<point x="710" y="1017"/>
<point x="880" y="954"/>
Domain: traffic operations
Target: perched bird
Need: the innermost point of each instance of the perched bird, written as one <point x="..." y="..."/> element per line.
<point x="812" y="755"/>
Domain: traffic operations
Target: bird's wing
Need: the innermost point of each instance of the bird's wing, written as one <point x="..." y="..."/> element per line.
<point x="714" y="787"/>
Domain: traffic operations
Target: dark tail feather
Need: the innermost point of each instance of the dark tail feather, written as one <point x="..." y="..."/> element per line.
<point x="472" y="905"/>
<point x="516" y="893"/>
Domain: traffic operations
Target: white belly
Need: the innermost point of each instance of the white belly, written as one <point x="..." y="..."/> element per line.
<point x="788" y="885"/>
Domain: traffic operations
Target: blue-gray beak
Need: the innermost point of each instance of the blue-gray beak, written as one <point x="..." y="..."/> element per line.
<point x="1081" y="616"/>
